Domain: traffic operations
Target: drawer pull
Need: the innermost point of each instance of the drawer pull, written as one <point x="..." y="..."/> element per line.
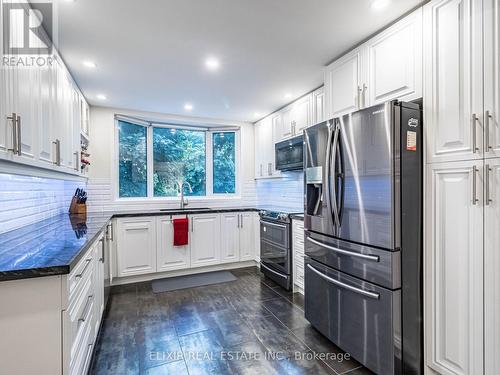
<point x="374" y="258"/>
<point x="84" y="268"/>
<point x="88" y="357"/>
<point x="86" y="310"/>
<point x="345" y="286"/>
<point x="273" y="271"/>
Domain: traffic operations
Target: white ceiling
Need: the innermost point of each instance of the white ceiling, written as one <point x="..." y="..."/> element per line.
<point x="150" y="54"/>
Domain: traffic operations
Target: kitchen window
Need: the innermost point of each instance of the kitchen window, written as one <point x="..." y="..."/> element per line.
<point x="153" y="158"/>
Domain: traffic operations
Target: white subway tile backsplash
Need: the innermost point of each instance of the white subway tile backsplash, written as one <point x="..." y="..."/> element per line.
<point x="26" y="200"/>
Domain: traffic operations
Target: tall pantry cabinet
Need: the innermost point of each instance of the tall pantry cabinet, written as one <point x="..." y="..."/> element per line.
<point x="462" y="212"/>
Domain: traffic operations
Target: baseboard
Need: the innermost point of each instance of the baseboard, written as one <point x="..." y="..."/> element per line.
<point x="183" y="272"/>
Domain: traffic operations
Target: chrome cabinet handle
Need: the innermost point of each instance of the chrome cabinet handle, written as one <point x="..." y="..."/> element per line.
<point x="84" y="268"/>
<point x="343" y="285"/>
<point x="260" y="169"/>
<point x="13" y="119"/>
<point x="77" y="167"/>
<point x="109" y="232"/>
<point x="364" y="94"/>
<point x="487" y="117"/>
<point x="474" y="188"/>
<point x="241" y="215"/>
<point x="488" y="199"/>
<point x="101" y="240"/>
<point x="269" y="169"/>
<point x="475" y="119"/>
<point x="374" y="258"/>
<point x="238" y="225"/>
<point x="358" y="97"/>
<point x="19" y="143"/>
<point x="57" y="142"/>
<point x="89" y="356"/>
<point x="86" y="310"/>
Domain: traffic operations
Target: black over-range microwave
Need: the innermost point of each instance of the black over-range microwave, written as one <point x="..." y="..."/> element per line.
<point x="289" y="154"/>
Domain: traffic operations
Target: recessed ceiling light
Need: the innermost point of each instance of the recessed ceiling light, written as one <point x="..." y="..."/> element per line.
<point x="89" y="64"/>
<point x="379" y="4"/>
<point x="188" y="106"/>
<point x="288" y="95"/>
<point x="101" y="97"/>
<point x="212" y="63"/>
<point x="257" y="114"/>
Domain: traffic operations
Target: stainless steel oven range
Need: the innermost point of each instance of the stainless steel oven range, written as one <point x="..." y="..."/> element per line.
<point x="275" y="246"/>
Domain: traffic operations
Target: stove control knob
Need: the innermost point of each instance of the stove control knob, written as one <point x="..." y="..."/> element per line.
<point x="282" y="217"/>
<point x="262" y="212"/>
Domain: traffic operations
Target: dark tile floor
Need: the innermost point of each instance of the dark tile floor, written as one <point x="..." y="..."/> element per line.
<point x="249" y="326"/>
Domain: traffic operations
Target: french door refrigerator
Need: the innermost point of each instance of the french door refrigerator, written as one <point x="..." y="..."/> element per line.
<point x="363" y="235"/>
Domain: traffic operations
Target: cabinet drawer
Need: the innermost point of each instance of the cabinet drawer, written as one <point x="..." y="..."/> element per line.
<point x="80" y="273"/>
<point x="79" y="318"/>
<point x="82" y="357"/>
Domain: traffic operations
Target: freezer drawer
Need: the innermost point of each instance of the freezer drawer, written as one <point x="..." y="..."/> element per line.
<point x="378" y="266"/>
<point x="361" y="318"/>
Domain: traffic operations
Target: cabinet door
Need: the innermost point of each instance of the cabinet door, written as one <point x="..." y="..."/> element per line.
<point x="454" y="268"/>
<point x="230" y="237"/>
<point x="318" y="106"/>
<point x="48" y="99"/>
<point x="136" y="250"/>
<point x="492" y="78"/>
<point x="258" y="140"/>
<point x="453" y="80"/>
<point x="492" y="267"/>
<point x="27" y="101"/>
<point x="247" y="236"/>
<point x="286" y="124"/>
<point x="168" y="256"/>
<point x="343" y="84"/>
<point x="301" y="114"/>
<point x="395" y="62"/>
<point x="205" y="240"/>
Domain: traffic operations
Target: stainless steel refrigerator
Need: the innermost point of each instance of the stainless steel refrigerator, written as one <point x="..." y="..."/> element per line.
<point x="363" y="235"/>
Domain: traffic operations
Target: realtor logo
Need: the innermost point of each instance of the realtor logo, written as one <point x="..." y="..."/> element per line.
<point x="27" y="28"/>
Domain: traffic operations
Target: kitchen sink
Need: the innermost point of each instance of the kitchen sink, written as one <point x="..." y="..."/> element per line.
<point x="185" y="209"/>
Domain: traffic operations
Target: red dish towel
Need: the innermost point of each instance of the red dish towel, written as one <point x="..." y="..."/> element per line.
<point x="181" y="227"/>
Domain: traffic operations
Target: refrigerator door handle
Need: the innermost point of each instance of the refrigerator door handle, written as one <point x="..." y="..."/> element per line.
<point x="334" y="163"/>
<point x="327" y="169"/>
<point x="373" y="258"/>
<point x="363" y="292"/>
<point x="342" y="179"/>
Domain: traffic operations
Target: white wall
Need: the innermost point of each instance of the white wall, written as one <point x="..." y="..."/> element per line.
<point x="102" y="175"/>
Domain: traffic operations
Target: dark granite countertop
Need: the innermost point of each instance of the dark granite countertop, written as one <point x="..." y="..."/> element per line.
<point x="55" y="245"/>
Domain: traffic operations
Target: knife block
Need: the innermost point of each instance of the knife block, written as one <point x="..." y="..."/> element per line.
<point x="77" y="208"/>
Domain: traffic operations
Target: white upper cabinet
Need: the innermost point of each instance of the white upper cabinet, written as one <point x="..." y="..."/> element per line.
<point x="453" y="80"/>
<point x="454" y="268"/>
<point x="265" y="135"/>
<point x="343" y="84"/>
<point x="168" y="256"/>
<point x="230" y="237"/>
<point x="136" y="242"/>
<point x="205" y="239"/>
<point x="395" y="62"/>
<point x="301" y="114"/>
<point x="284" y="130"/>
<point x="318" y="106"/>
<point x="492" y="78"/>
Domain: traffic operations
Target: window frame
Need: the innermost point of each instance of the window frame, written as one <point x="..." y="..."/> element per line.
<point x="209" y="131"/>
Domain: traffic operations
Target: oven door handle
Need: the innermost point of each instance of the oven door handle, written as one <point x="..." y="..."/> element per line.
<point x="345" y="286"/>
<point x="273" y="271"/>
<point x="373" y="258"/>
<point x="273" y="224"/>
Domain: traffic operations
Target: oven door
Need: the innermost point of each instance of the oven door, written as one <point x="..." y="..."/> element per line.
<point x="275" y="233"/>
<point x="275" y="256"/>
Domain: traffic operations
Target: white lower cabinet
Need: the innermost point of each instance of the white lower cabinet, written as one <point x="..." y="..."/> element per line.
<point x="247" y="236"/>
<point x="205" y="239"/>
<point x="237" y="237"/>
<point x="168" y="256"/>
<point x="136" y="243"/>
<point x="454" y="267"/>
<point x="230" y="237"/>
